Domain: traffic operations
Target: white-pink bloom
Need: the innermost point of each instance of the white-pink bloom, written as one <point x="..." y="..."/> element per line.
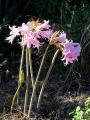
<point x="14" y="30"/>
<point x="46" y="34"/>
<point x="71" y="51"/>
<point x="70" y="57"/>
<point x="30" y="41"/>
<point x="36" y="43"/>
<point x="43" y="26"/>
<point x="36" y="34"/>
<point x="24" y="29"/>
<point x="34" y="30"/>
<point x="62" y="38"/>
<point x="30" y="33"/>
<point x="10" y="38"/>
<point x="13" y="33"/>
<point x="71" y="46"/>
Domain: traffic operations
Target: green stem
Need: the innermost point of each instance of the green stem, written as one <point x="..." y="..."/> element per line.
<point x="27" y="83"/>
<point x="42" y="62"/>
<point x="21" y="64"/>
<point x="46" y="78"/>
<point x="36" y="82"/>
<point x="31" y="69"/>
<point x="13" y="101"/>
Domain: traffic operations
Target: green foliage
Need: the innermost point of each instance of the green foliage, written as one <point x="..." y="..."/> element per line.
<point x="82" y="113"/>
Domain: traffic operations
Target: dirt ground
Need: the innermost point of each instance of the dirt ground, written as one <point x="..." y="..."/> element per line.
<point x="56" y="103"/>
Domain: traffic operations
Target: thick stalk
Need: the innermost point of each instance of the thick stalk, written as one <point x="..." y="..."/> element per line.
<point x="36" y="82"/>
<point x="46" y="78"/>
<point x="27" y="83"/>
<point x="21" y="64"/>
<point x="31" y="68"/>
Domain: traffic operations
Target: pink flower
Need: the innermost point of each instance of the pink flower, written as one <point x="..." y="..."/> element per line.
<point x="24" y="29"/>
<point x="43" y="26"/>
<point x="13" y="33"/>
<point x="30" y="33"/>
<point x="36" y="34"/>
<point x="71" y="51"/>
<point x="46" y="34"/>
<point x="62" y="38"/>
<point x="14" y="30"/>
<point x="30" y="41"/>
<point x="36" y="43"/>
<point x="10" y="38"/>
<point x="34" y="30"/>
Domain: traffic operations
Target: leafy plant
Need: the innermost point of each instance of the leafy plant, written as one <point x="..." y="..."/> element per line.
<point x="30" y="33"/>
<point x="82" y="113"/>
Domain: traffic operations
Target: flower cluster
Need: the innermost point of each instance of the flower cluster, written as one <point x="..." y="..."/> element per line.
<point x="70" y="50"/>
<point x="33" y="30"/>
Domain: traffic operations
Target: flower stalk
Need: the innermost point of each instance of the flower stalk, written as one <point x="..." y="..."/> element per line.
<point x="46" y="78"/>
<point x="21" y="65"/>
<point x="36" y="82"/>
<point x="20" y="79"/>
<point x="31" y="68"/>
<point x="27" y="83"/>
<point x="13" y="101"/>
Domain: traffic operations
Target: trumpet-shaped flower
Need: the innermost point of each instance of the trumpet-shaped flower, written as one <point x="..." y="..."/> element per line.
<point x="58" y="38"/>
<point x="14" y="30"/>
<point x="44" y="26"/>
<point x="24" y="29"/>
<point x="62" y="38"/>
<point x="30" y="42"/>
<point x="13" y="33"/>
<point x="46" y="34"/>
<point x="71" y="51"/>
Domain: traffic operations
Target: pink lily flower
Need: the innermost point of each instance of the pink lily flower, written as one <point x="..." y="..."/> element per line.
<point x="30" y="32"/>
<point x="13" y="33"/>
<point x="62" y="38"/>
<point x="24" y="29"/>
<point x="46" y="34"/>
<point x="30" y="41"/>
<point x="43" y="26"/>
<point x="71" y="51"/>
